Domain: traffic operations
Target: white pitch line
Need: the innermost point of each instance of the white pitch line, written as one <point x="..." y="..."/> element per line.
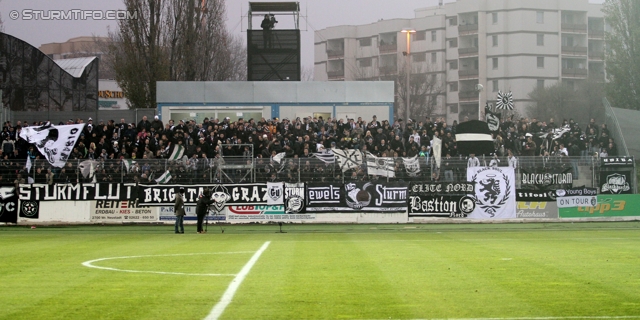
<point x="218" y="309"/>
<point x="544" y="318"/>
<point x="90" y="264"/>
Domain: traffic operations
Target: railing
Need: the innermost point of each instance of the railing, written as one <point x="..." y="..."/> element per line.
<point x="574" y="72"/>
<point x="574" y="27"/>
<point x="584" y="170"/>
<point x="335" y="74"/>
<point x="578" y="51"/>
<point x="332" y="54"/>
<point x="388" y="69"/>
<point x="469" y="28"/>
<point x="385" y="48"/>
<point x="467" y="51"/>
<point x="468" y="73"/>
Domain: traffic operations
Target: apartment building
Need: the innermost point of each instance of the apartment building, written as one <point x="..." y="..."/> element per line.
<point x="506" y="45"/>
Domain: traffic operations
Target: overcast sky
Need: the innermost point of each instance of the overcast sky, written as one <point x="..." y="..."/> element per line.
<point x="319" y="14"/>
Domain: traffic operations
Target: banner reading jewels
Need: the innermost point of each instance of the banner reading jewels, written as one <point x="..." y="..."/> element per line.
<point x="356" y="197"/>
<point x="236" y="194"/>
<point x="77" y="192"/>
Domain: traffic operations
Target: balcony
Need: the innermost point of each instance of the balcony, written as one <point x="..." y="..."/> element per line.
<point x="388" y="48"/>
<point x="468" y="95"/>
<point x="468" y="74"/>
<point x="596" y="55"/>
<point x="574" y="72"/>
<point x="574" y="27"/>
<point x="467" y="29"/>
<point x="596" y="34"/>
<point x="336" y="74"/>
<point x="467" y="52"/>
<point x="388" y="70"/>
<point x="335" y="54"/>
<point x="574" y="51"/>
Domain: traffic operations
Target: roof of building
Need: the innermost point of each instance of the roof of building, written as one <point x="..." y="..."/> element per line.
<point x="75" y="67"/>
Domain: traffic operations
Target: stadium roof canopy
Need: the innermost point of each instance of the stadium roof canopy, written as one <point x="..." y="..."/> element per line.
<point x="75" y="66"/>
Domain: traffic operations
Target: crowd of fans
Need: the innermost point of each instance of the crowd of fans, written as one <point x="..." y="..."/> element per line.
<point x="216" y="143"/>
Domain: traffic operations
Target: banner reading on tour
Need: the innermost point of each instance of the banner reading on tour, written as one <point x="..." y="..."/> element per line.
<point x="77" y="192"/>
<point x="495" y="192"/>
<point x="357" y="196"/>
<point x="576" y="197"/>
<point x="237" y="194"/>
<point x="621" y="205"/>
<point x="121" y="211"/>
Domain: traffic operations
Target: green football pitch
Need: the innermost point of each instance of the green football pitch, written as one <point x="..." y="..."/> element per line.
<point x="437" y="271"/>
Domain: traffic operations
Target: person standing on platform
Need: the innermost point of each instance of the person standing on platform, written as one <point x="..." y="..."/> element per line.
<point x="202" y="208"/>
<point x="178" y="210"/>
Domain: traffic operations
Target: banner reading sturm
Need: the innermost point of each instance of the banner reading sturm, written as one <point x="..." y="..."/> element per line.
<point x="357" y="196"/>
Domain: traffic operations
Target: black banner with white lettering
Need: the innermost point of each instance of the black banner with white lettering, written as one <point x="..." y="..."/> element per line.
<point x="535" y="195"/>
<point x="356" y="196"/>
<point x="441" y="199"/>
<point x="77" y="192"/>
<point x="223" y="195"/>
<point x="8" y="204"/>
<point x="617" y="161"/>
<point x="443" y="188"/>
<point x="546" y="178"/>
<point x="615" y="182"/>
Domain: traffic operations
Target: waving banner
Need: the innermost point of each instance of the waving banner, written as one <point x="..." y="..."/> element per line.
<point x="54" y="142"/>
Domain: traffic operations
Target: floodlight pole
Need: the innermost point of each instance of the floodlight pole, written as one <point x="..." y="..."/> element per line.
<point x="408" y="71"/>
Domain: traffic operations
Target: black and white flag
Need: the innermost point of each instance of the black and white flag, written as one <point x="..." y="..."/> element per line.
<point x="380" y="166"/>
<point x="474" y="136"/>
<point x="504" y="101"/>
<point x="493" y="119"/>
<point x="412" y="165"/>
<point x="54" y="142"/>
<point x="348" y="159"/>
<point x="327" y="156"/>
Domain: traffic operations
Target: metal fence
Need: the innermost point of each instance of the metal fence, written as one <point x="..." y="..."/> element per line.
<point x="584" y="170"/>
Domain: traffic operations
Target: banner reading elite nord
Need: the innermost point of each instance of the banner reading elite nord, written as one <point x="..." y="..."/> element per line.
<point x="441" y="199"/>
<point x="621" y="205"/>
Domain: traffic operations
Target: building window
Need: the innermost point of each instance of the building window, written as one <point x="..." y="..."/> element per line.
<point x="419" y="57"/>
<point x="453" y="87"/>
<point x="453" y="21"/>
<point x="495" y="63"/>
<point x="453" y="65"/>
<point x="540" y="84"/>
<point x="453" y="108"/>
<point x="365" y="42"/>
<point x="364" y="63"/>
<point x="495" y="40"/>
<point x="453" y="43"/>
<point x="494" y="17"/>
<point x="434" y="57"/>
<point x="420" y="36"/>
<point x="433" y="36"/>
<point x="495" y="85"/>
<point x="540" y="62"/>
<point x="540" y="16"/>
<point x="540" y="39"/>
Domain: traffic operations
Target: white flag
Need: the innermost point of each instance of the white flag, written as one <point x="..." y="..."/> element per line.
<point x="380" y="166"/>
<point x="348" y="159"/>
<point x="278" y="157"/>
<point x="327" y="156"/>
<point x="437" y="150"/>
<point x="127" y="164"/>
<point x="275" y="193"/>
<point x="55" y="143"/>
<point x="164" y="178"/>
<point x="412" y="165"/>
<point x="28" y="164"/>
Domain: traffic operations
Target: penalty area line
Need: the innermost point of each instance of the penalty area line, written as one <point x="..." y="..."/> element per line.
<point x="218" y="309"/>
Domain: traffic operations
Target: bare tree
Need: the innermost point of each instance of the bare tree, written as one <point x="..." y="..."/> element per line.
<point x="425" y="88"/>
<point x="562" y="101"/>
<point x="173" y="40"/>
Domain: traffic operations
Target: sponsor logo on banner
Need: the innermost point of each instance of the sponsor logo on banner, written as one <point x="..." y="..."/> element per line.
<point x="121" y="211"/>
<point x="494" y="192"/>
<point x="440" y="206"/>
<point x="263" y="213"/>
<point x="533" y="195"/>
<point x="537" y="209"/>
<point x="622" y="205"/>
<point x="167" y="214"/>
<point x="294" y="197"/>
<point x="576" y="197"/>
<point x="615" y="183"/>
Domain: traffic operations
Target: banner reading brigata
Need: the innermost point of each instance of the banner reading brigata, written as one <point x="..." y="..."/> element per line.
<point x="238" y="194"/>
<point x="356" y="196"/>
<point x="576" y="197"/>
<point x="441" y="199"/>
<point x="495" y="192"/>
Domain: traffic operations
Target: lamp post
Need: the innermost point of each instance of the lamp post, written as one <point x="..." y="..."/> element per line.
<point x="408" y="31"/>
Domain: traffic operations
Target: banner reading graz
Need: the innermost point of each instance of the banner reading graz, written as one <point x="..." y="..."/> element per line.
<point x="77" y="192"/>
<point x="236" y="194"/>
<point x="622" y="205"/>
<point x="356" y="196"/>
